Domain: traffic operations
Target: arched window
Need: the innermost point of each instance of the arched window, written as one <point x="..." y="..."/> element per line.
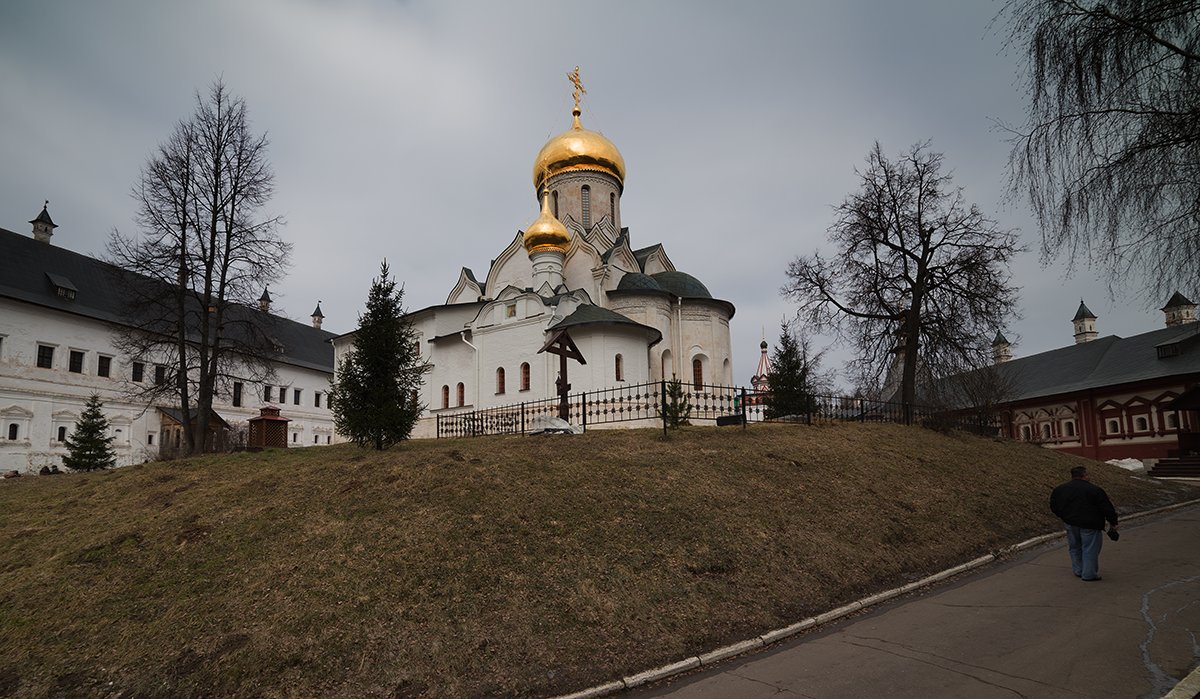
<point x="462" y="392"/>
<point x="12" y="431"/>
<point x="445" y="396"/>
<point x="698" y="373"/>
<point x="1046" y="430"/>
<point x="618" y="365"/>
<point x="62" y="434"/>
<point x="1113" y="427"/>
<point x="412" y="396"/>
<point x="585" y="199"/>
<point x="525" y="376"/>
<point x="499" y="380"/>
<point x="666" y="365"/>
<point x="1141" y="424"/>
<point x="612" y="206"/>
<point x="1069" y="427"/>
<point x="1171" y="422"/>
<point x="554" y="202"/>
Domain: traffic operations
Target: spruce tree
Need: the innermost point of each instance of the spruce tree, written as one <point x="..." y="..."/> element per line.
<point x="89" y="448"/>
<point x="373" y="398"/>
<point x="792" y="378"/>
<point x="677" y="405"/>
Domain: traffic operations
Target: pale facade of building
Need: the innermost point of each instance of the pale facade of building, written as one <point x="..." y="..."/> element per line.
<point x="58" y="314"/>
<point x="632" y="314"/>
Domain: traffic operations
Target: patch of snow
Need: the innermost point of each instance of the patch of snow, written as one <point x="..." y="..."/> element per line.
<point x="1128" y="464"/>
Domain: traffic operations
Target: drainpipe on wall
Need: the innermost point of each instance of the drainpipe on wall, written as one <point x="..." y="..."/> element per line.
<point x="678" y="368"/>
<point x="463" y="336"/>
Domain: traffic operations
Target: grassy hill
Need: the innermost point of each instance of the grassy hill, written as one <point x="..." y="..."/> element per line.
<point x="505" y="565"/>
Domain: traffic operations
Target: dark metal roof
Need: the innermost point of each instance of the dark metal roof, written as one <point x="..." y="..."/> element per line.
<point x="1177" y="299"/>
<point x="1108" y="361"/>
<point x="1083" y="312"/>
<point x="682" y="285"/>
<point x="643" y="254"/>
<point x="25" y="266"/>
<point x="587" y="314"/>
<point x="1000" y="339"/>
<point x="638" y="281"/>
<point x="44" y="217"/>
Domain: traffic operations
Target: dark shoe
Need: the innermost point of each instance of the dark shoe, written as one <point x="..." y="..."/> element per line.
<point x="1092" y="579"/>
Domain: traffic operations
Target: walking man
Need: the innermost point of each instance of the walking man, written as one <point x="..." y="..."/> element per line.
<point x="1083" y="507"/>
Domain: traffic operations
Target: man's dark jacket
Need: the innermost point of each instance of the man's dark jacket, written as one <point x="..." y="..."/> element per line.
<point x="1082" y="504"/>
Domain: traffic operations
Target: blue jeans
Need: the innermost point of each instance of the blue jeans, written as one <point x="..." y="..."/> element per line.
<point x="1084" y="547"/>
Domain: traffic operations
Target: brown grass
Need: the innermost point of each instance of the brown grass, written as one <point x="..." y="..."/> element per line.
<point x="495" y="566"/>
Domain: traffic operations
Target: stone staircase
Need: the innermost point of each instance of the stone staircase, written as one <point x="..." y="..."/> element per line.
<point x="1181" y="467"/>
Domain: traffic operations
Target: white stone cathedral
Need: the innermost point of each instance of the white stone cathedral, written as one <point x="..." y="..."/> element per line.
<point x="632" y="314"/>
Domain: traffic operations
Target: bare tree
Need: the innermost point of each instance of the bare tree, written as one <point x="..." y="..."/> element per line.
<point x="1110" y="156"/>
<point x="917" y="276"/>
<point x="205" y="252"/>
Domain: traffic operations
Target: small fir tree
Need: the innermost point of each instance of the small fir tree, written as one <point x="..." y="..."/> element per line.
<point x="373" y="398"/>
<point x="794" y="378"/>
<point x="677" y="405"/>
<point x="89" y="448"/>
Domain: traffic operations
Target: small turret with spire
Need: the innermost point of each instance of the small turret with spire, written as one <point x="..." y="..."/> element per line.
<point x="1001" y="349"/>
<point x="264" y="301"/>
<point x="317" y="316"/>
<point x="43" y="227"/>
<point x="1085" y="324"/>
<point x="1179" y="310"/>
<point x="759" y="380"/>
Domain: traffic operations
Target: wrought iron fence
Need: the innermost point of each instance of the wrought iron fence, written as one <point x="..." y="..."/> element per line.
<point x="725" y="404"/>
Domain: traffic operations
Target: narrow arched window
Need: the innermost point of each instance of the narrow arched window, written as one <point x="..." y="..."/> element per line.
<point x="585" y="200"/>
<point x="1141" y="424"/>
<point x="62" y="434"/>
<point x="445" y="396"/>
<point x="554" y="202"/>
<point x="412" y="396"/>
<point x="499" y="380"/>
<point x="618" y="365"/>
<point x="462" y="392"/>
<point x="1171" y="421"/>
<point x="697" y="373"/>
<point x="12" y="431"/>
<point x="525" y="376"/>
<point x="1069" y="428"/>
<point x="612" y="206"/>
<point x="1046" y="431"/>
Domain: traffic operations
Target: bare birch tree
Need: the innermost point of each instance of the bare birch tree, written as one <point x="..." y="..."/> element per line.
<point x="204" y="253"/>
<point x="917" y="274"/>
<point x="1109" y="157"/>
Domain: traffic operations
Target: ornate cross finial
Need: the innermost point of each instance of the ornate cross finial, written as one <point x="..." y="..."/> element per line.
<point x="573" y="76"/>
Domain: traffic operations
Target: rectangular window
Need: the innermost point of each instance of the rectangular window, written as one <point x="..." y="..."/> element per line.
<point x="283" y="395"/>
<point x="510" y="311"/>
<point x="317" y="399"/>
<point x="139" y="372"/>
<point x="103" y="366"/>
<point x="160" y="374"/>
<point x="75" y="362"/>
<point x="45" y="357"/>
<point x="316" y="439"/>
<point x="295" y="437"/>
<point x="296" y="397"/>
<point x="266" y="394"/>
<point x="237" y="394"/>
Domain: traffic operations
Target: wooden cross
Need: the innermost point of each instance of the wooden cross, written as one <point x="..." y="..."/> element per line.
<point x="560" y="343"/>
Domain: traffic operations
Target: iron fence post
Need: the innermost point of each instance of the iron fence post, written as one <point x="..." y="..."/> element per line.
<point x="745" y="418"/>
<point x="522" y="417"/>
<point x="583" y="408"/>
<point x="662" y="403"/>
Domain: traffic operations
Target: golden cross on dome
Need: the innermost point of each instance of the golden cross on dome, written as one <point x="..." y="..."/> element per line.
<point x="573" y="76"/>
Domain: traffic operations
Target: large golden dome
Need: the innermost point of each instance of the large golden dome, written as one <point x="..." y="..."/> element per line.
<point x="547" y="232"/>
<point x="578" y="149"/>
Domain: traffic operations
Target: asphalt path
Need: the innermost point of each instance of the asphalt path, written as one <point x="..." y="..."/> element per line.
<point x="1025" y="627"/>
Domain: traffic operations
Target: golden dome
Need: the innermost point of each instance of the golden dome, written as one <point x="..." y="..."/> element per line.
<point x="547" y="232"/>
<point x="578" y="149"/>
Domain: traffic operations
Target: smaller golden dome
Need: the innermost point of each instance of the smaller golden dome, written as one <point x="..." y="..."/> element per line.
<point x="577" y="149"/>
<point x="547" y="232"/>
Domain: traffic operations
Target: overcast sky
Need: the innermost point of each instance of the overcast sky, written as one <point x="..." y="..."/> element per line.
<point x="407" y="130"/>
